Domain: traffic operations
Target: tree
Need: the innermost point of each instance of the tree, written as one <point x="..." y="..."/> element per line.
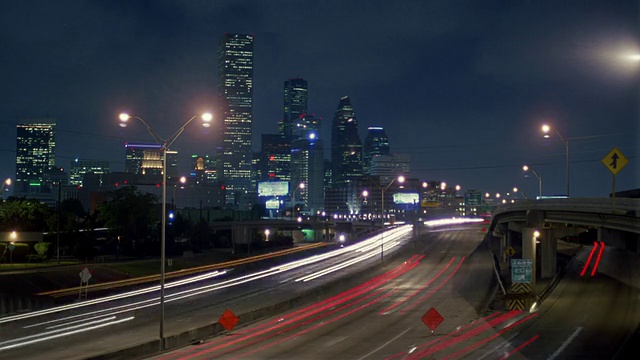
<point x="20" y="214"/>
<point x="132" y="215"/>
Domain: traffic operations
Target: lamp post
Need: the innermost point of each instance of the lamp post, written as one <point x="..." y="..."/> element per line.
<point x="400" y="180"/>
<point x="527" y="168"/>
<point x="516" y="190"/>
<point x="166" y="143"/>
<point x="546" y="129"/>
<point x="293" y="198"/>
<point x="7" y="182"/>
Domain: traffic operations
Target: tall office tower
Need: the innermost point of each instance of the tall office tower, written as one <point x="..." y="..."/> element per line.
<point x="295" y="105"/>
<point x="276" y="158"/>
<point x="79" y="168"/>
<point x="307" y="166"/>
<point x="146" y="159"/>
<point x="346" y="148"/>
<point x="35" y="153"/>
<point x="376" y="143"/>
<point x="235" y="88"/>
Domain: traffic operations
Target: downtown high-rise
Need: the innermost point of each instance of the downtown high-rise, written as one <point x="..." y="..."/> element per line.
<point x="346" y="147"/>
<point x="235" y="89"/>
<point x="295" y="106"/>
<point x="35" y="154"/>
<point x="376" y="143"/>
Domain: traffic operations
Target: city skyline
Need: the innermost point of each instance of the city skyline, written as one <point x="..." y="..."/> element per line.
<point x="462" y="88"/>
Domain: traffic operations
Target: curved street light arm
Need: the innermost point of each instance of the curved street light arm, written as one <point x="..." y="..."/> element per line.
<point x="173" y="137"/>
<point x="155" y="136"/>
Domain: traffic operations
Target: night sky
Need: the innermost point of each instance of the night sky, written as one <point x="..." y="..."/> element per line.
<point x="462" y="86"/>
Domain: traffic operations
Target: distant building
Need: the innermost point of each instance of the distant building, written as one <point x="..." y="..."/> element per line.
<point x="295" y="105"/>
<point x="204" y="169"/>
<point x="276" y="158"/>
<point x="35" y="154"/>
<point x="307" y="163"/>
<point x="376" y="143"/>
<point x="346" y="147"/>
<point x="235" y="88"/>
<point x="388" y="167"/>
<point x="79" y="167"/>
<point x="146" y="159"/>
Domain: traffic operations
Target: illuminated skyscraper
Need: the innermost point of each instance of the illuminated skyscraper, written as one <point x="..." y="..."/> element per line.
<point x="79" y="167"/>
<point x="35" y="153"/>
<point x="376" y="143"/>
<point x="276" y="158"/>
<point x="346" y="148"/>
<point x="146" y="159"/>
<point x="235" y="88"/>
<point x="295" y="105"/>
<point x="307" y="163"/>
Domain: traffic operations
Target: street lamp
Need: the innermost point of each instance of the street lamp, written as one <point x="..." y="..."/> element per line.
<point x="527" y="168"/>
<point x="293" y="198"/>
<point x="546" y="129"/>
<point x="166" y="143"/>
<point x="516" y="190"/>
<point x="7" y="183"/>
<point x="400" y="180"/>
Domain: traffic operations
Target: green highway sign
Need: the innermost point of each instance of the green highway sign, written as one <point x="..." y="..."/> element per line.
<point x="522" y="271"/>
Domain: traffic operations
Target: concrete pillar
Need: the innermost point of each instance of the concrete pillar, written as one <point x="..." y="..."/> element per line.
<point x="549" y="254"/>
<point x="529" y="249"/>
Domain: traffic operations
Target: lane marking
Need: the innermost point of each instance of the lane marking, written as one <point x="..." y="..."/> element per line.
<point x="522" y="346"/>
<point x="566" y="343"/>
<point x="383" y="345"/>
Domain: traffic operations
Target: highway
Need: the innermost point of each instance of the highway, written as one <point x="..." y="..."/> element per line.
<point x="99" y="326"/>
<point x="585" y="317"/>
<point x="378" y="316"/>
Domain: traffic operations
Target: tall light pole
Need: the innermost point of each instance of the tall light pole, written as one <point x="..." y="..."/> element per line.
<point x="166" y="143"/>
<point x="546" y="129"/>
<point x="7" y="182"/>
<point x="527" y="168"/>
<point x="293" y="198"/>
<point x="400" y="180"/>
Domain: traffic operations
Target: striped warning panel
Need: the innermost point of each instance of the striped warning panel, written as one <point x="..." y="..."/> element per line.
<point x="516" y="304"/>
<point x="519" y="288"/>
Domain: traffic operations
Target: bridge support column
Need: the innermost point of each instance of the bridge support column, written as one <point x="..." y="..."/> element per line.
<point x="549" y="254"/>
<point x="529" y="249"/>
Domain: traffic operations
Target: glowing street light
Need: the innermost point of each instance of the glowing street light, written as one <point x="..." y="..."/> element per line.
<point x="293" y="198"/>
<point x="7" y="182"/>
<point x="166" y="144"/>
<point x="546" y="129"/>
<point x="527" y="168"/>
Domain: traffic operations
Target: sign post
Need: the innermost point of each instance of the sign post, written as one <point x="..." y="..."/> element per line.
<point x="614" y="161"/>
<point x="85" y="275"/>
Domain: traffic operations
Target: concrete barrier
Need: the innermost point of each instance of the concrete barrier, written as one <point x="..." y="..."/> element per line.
<point x="16" y="304"/>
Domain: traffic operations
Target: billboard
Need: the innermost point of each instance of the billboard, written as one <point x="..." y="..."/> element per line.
<point x="272" y="204"/>
<point x="273" y="188"/>
<point x="406" y="198"/>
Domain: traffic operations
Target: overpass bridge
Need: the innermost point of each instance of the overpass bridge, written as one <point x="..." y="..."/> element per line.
<point x="617" y="221"/>
<point x="319" y="228"/>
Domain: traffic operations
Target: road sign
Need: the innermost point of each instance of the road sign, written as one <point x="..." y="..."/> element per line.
<point x="11" y="247"/>
<point x="228" y="320"/>
<point x="522" y="271"/>
<point x="510" y="251"/>
<point x="85" y="275"/>
<point x="432" y="319"/>
<point x="615" y="161"/>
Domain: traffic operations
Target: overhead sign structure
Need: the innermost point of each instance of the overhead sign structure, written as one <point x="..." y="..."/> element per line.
<point x="228" y="320"/>
<point x="522" y="271"/>
<point x="432" y="319"/>
<point x="615" y="161"/>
